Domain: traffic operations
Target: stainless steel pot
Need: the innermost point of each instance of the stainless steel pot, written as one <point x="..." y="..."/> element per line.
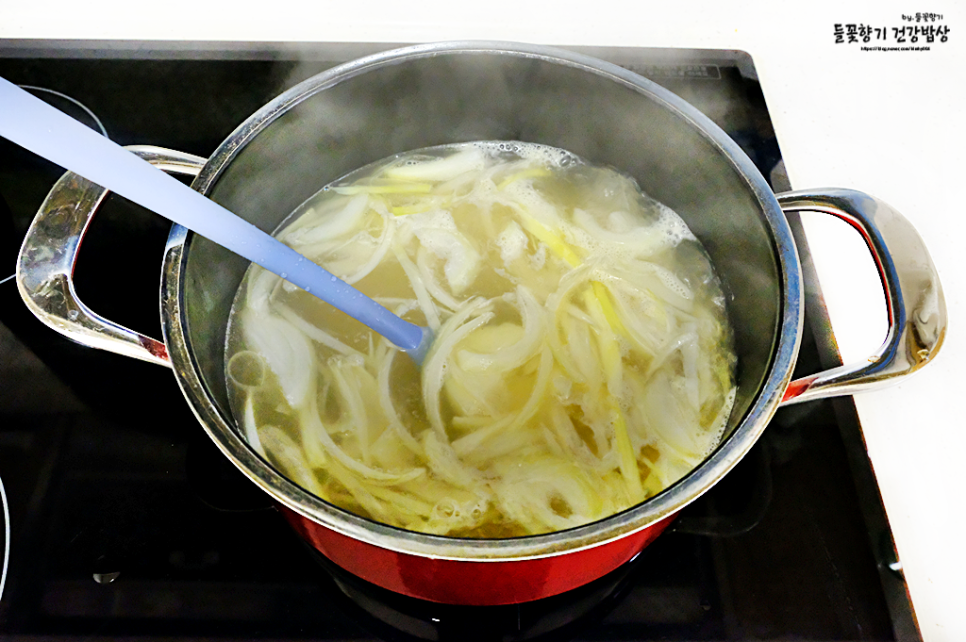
<point x="453" y="92"/>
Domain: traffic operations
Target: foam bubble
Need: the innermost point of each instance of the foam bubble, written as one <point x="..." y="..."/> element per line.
<point x="533" y="152"/>
<point x="673" y="283"/>
<point x="673" y="226"/>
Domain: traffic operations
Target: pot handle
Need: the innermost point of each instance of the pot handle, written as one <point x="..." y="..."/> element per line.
<point x="45" y="266"/>
<point x="914" y="297"/>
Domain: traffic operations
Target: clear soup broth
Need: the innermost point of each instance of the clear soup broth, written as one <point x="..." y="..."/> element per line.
<point x="582" y="361"/>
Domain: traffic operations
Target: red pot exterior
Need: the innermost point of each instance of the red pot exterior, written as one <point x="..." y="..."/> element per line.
<point x="475" y="583"/>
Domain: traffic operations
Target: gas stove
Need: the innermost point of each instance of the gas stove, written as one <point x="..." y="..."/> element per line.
<point x="128" y="523"/>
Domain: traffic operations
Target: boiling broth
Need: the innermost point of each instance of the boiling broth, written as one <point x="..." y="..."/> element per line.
<point x="582" y="359"/>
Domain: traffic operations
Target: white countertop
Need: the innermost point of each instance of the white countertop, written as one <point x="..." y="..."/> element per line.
<point x="885" y="122"/>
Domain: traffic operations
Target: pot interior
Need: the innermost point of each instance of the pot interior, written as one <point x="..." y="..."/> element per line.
<point x="335" y="123"/>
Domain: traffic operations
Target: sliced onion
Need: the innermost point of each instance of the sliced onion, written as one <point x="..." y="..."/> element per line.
<point x="444" y="462"/>
<point x="689" y="363"/>
<point x="610" y="356"/>
<point x="402" y="504"/>
<point x="677" y="344"/>
<point x="660" y="281"/>
<point x="528" y="489"/>
<point x="311" y="442"/>
<point x="440" y="169"/>
<point x="360" y="492"/>
<point x="422" y="295"/>
<point x="335" y="225"/>
<point x="563" y="428"/>
<point x="384" y="243"/>
<point x="451" y="333"/>
<point x="432" y="285"/>
<point x="504" y="358"/>
<point x="239" y="367"/>
<point x="577" y="354"/>
<point x="438" y="234"/>
<point x="309" y="416"/>
<point x="261" y="285"/>
<point x="385" y="189"/>
<point x="518" y="448"/>
<point x="286" y="350"/>
<point x="251" y="428"/>
<point x="668" y="416"/>
<point x="646" y="240"/>
<point x="315" y="333"/>
<point x="353" y="404"/>
<point x="644" y="339"/>
<point x="470" y="442"/>
<point x="286" y="453"/>
<point x="521" y="442"/>
<point x="575" y="365"/>
<point x="385" y="401"/>
<point x="468" y="394"/>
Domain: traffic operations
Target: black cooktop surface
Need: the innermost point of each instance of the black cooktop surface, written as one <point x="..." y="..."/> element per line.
<point x="127" y="522"/>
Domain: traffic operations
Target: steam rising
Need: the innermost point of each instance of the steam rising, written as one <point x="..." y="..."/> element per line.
<point x="346" y="121"/>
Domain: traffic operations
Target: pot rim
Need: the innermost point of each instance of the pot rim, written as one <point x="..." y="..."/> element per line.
<point x="225" y="435"/>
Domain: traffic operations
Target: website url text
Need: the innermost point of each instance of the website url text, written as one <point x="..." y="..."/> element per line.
<point x="895" y="48"/>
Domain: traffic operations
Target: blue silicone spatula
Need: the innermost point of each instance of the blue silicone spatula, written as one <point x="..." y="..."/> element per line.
<point x="47" y="132"/>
